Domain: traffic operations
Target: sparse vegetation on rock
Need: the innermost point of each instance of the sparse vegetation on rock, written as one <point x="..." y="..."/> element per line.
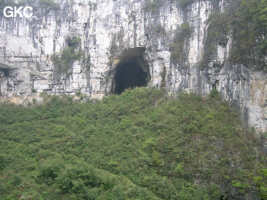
<point x="178" y="47"/>
<point x="63" y="61"/>
<point x="245" y="21"/>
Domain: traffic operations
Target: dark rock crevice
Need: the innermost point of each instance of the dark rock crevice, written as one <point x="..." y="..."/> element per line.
<point x="129" y="75"/>
<point x="132" y="71"/>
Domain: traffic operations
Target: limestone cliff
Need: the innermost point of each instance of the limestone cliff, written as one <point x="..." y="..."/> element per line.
<point x="114" y="33"/>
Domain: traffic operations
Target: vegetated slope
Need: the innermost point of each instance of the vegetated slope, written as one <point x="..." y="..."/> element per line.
<point x="245" y="21"/>
<point x="141" y="144"/>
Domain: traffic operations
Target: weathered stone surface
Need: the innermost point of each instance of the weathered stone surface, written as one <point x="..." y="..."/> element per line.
<point x="107" y="30"/>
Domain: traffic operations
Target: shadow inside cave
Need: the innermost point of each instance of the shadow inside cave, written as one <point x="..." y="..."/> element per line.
<point x="129" y="75"/>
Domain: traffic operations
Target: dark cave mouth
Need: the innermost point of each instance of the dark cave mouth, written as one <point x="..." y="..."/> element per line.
<point x="129" y="75"/>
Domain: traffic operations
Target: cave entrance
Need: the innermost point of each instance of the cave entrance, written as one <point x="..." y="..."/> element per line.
<point x="129" y="75"/>
<point x="132" y="71"/>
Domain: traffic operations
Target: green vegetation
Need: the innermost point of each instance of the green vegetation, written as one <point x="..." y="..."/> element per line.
<point x="48" y="5"/>
<point x="153" y="6"/>
<point x="117" y="45"/>
<point x="261" y="181"/>
<point x="92" y="5"/>
<point x="184" y="3"/>
<point x="219" y="27"/>
<point x="246" y="20"/>
<point x="158" y="30"/>
<point x="33" y="90"/>
<point x="86" y="62"/>
<point x="163" y="77"/>
<point x="178" y="51"/>
<point x="249" y="30"/>
<point x="141" y="144"/>
<point x="64" y="61"/>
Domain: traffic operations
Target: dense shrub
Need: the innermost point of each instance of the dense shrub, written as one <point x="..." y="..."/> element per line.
<point x="48" y="5"/>
<point x="184" y="3"/>
<point x="178" y="47"/>
<point x="65" y="59"/>
<point x="246" y="22"/>
<point x="153" y="6"/>
<point x="141" y="144"/>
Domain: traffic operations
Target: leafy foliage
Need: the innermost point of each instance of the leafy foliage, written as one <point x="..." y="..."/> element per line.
<point x="261" y="181"/>
<point x="178" y="51"/>
<point x="93" y="5"/>
<point x="249" y="29"/>
<point x="184" y="3"/>
<point x="246" y="20"/>
<point x="141" y="144"/>
<point x="48" y="5"/>
<point x="153" y="5"/>
<point x="65" y="60"/>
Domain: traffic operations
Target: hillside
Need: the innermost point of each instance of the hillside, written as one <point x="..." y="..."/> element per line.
<point x="141" y="144"/>
<point x="100" y="47"/>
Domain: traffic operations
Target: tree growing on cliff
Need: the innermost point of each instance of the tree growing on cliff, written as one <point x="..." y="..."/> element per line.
<point x="63" y="61"/>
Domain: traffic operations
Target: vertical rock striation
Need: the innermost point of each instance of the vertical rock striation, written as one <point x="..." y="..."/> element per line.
<point x="112" y="32"/>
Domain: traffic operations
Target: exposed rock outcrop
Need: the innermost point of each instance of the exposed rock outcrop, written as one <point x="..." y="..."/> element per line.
<point x="108" y="30"/>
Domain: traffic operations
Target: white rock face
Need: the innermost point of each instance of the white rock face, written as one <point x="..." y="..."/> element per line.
<point x="108" y="29"/>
